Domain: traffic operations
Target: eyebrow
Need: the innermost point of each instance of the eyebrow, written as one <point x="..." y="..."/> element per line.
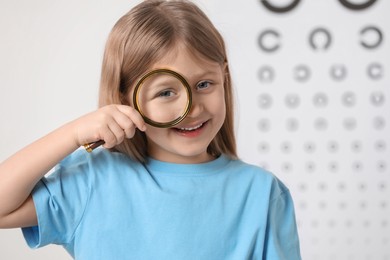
<point x="206" y="74"/>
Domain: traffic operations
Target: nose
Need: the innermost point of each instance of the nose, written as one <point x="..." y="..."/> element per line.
<point x="196" y="107"/>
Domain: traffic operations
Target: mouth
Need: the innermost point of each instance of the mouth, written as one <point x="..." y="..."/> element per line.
<point x="190" y="129"/>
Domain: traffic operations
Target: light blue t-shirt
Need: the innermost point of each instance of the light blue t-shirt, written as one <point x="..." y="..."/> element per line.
<point x="104" y="205"/>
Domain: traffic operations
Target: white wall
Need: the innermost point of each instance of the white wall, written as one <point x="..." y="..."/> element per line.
<point x="335" y="162"/>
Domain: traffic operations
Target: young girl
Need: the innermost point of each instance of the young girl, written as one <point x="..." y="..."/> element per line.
<point x="151" y="193"/>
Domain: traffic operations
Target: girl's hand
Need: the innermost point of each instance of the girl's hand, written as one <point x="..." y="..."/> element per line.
<point x="112" y="124"/>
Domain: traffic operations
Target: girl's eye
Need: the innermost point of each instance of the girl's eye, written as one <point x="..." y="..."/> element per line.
<point x="203" y="84"/>
<point x="165" y="93"/>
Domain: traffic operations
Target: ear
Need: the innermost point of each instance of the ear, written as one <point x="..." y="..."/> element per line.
<point x="226" y="72"/>
<point x="225" y="66"/>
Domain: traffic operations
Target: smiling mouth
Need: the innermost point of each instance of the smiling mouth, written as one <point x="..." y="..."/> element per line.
<point x="190" y="129"/>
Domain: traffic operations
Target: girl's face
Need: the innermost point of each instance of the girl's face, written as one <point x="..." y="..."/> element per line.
<point x="187" y="142"/>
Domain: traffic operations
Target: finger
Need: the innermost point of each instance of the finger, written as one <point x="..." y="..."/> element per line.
<point x="134" y="115"/>
<point x="108" y="136"/>
<point x="129" y="132"/>
<point x="125" y="122"/>
<point x="117" y="131"/>
<point x="111" y="132"/>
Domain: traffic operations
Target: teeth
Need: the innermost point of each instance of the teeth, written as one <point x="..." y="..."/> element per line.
<point x="191" y="128"/>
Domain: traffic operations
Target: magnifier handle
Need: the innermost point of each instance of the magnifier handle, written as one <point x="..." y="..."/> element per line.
<point x="92" y="146"/>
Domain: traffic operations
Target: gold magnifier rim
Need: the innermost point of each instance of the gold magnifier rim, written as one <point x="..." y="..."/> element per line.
<point x="185" y="111"/>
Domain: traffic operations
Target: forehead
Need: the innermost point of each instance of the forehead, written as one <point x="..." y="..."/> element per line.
<point x="187" y="62"/>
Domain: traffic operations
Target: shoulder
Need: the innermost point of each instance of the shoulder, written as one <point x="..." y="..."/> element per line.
<point x="259" y="178"/>
<point x="245" y="169"/>
<point x="84" y="167"/>
<point x="99" y="158"/>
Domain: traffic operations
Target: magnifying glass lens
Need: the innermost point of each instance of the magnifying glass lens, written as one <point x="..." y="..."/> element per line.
<point x="163" y="98"/>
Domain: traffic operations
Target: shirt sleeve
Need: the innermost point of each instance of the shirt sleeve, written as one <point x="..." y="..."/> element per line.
<point x="60" y="201"/>
<point x="282" y="242"/>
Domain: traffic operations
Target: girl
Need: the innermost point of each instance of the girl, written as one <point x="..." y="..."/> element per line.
<point x="151" y="193"/>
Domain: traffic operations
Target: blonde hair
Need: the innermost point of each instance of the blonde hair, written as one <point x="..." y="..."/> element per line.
<point x="143" y="36"/>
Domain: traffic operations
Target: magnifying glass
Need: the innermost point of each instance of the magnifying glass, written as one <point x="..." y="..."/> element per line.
<point x="163" y="97"/>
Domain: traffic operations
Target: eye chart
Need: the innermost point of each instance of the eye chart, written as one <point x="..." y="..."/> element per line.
<point x="313" y="90"/>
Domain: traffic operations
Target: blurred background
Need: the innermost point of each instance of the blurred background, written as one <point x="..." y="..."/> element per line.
<point x="312" y="88"/>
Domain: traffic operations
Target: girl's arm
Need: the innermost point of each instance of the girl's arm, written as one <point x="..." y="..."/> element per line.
<point x="20" y="173"/>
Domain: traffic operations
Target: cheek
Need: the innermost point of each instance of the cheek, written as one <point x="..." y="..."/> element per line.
<point x="218" y="105"/>
<point x="155" y="135"/>
<point x="153" y="132"/>
<point x="222" y="112"/>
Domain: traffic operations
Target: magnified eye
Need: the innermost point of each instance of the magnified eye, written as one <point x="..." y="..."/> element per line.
<point x="165" y="93"/>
